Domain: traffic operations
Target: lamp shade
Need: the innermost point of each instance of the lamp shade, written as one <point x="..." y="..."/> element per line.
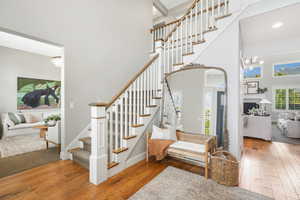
<point x="265" y="101"/>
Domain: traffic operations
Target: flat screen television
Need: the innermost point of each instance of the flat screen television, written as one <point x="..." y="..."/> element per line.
<point x="249" y="106"/>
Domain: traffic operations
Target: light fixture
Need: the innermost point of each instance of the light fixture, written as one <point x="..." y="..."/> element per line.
<point x="57" y="61"/>
<point x="277" y="25"/>
<point x="250" y="62"/>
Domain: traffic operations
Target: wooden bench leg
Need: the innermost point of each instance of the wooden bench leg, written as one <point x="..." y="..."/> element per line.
<point x="206" y="165"/>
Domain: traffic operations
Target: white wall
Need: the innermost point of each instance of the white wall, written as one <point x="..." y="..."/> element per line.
<point x="16" y="63"/>
<point x="105" y="43"/>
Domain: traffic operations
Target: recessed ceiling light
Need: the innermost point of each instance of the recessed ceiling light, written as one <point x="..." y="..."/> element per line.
<point x="261" y="62"/>
<point x="277" y="25"/>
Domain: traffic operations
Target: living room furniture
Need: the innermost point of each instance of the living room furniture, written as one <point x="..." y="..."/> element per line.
<point x="257" y="127"/>
<point x="53" y="135"/>
<point x="10" y="129"/>
<point x="293" y="129"/>
<point x="224" y="168"/>
<point x="43" y="130"/>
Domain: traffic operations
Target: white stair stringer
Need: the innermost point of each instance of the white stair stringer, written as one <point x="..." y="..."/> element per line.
<point x="123" y="157"/>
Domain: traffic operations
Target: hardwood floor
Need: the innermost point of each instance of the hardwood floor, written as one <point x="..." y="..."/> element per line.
<point x="272" y="169"/>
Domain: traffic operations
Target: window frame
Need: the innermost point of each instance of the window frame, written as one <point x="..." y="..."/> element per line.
<point x="282" y="63"/>
<point x="287" y="98"/>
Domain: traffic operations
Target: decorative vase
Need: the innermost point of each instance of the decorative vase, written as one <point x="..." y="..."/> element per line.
<point x="51" y="123"/>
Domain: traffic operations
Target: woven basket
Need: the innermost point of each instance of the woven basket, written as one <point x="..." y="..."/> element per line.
<point x="224" y="168"/>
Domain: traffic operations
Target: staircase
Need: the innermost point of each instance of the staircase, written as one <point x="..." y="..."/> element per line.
<point x="117" y="126"/>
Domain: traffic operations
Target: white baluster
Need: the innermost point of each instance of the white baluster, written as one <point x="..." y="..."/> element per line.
<point x="181" y="42"/>
<point x="121" y="122"/>
<point x="207" y="15"/>
<point x="130" y="108"/>
<point x="177" y="46"/>
<point x="144" y="91"/>
<point x="226" y="7"/>
<point x="116" y="123"/>
<point x="126" y="114"/>
<point x="191" y="31"/>
<point x="196" y="22"/>
<point x="201" y="19"/>
<point x="186" y="35"/>
<point x="219" y="8"/>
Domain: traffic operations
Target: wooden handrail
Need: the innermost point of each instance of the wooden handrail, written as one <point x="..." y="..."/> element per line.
<point x="185" y="16"/>
<point x="131" y="81"/>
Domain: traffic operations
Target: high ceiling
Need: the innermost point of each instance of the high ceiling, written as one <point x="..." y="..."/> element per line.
<point x="168" y="6"/>
<point x="258" y="29"/>
<point x="29" y="45"/>
<point x="173" y="3"/>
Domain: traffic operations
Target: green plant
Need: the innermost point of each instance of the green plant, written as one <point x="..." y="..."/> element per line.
<point x="52" y="118"/>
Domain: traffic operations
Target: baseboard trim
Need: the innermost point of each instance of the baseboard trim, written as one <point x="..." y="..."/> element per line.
<point x="135" y="159"/>
<point x="64" y="155"/>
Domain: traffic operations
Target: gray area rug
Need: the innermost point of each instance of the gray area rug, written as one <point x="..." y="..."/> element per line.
<point x="278" y="137"/>
<point x="16" y="145"/>
<point x="16" y="164"/>
<point x="177" y="184"/>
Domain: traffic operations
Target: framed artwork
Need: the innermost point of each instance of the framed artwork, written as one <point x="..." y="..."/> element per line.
<point x="287" y="69"/>
<point x="37" y="94"/>
<point x="253" y="73"/>
<point x="252" y="87"/>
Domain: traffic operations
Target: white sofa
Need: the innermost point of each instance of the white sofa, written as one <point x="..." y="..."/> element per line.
<point x="23" y="128"/>
<point x="289" y="127"/>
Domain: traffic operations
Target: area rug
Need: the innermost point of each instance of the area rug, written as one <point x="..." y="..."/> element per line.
<point x="16" y="145"/>
<point x="177" y="184"/>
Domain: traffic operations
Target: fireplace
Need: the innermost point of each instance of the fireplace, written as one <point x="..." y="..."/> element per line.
<point x="249" y="106"/>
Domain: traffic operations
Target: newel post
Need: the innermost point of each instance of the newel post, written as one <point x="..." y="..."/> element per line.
<point x="159" y="49"/>
<point x="98" y="158"/>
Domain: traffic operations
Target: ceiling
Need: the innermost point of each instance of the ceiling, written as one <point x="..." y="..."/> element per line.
<point x="173" y="3"/>
<point x="29" y="45"/>
<point x="169" y="5"/>
<point x="258" y="29"/>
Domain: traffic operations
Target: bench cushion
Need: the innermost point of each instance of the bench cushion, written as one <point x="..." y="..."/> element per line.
<point x="188" y="146"/>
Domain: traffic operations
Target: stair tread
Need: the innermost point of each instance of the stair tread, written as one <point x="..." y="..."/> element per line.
<point x="74" y="150"/>
<point x="130" y="137"/>
<point x="157" y="97"/>
<point x="187" y="54"/>
<point x="145" y="115"/>
<point x="137" y="125"/>
<point x="178" y="64"/>
<point x="87" y="140"/>
<point x="199" y="42"/>
<point x="111" y="165"/>
<point x="120" y="150"/>
<point x="151" y="106"/>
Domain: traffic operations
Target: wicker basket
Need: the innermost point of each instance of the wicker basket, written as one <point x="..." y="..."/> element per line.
<point x="224" y="168"/>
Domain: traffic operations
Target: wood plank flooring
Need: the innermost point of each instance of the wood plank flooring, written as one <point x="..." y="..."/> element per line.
<point x="272" y="169"/>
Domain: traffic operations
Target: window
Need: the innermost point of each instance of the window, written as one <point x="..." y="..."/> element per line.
<point x="294" y="99"/>
<point x="253" y="72"/>
<point x="287" y="99"/>
<point x="286" y="69"/>
<point x="280" y="99"/>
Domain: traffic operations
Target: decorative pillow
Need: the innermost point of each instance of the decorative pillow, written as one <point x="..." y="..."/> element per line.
<point x="163" y="133"/>
<point x="32" y="118"/>
<point x="9" y="122"/>
<point x="14" y="118"/>
<point x="21" y="118"/>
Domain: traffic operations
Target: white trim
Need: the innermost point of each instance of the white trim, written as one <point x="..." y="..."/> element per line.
<point x="135" y="159"/>
<point x="285" y="76"/>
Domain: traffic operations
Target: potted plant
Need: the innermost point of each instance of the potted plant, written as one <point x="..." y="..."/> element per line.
<point x="52" y="119"/>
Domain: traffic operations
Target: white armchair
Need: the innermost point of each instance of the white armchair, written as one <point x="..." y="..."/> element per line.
<point x="293" y="129"/>
<point x="53" y="135"/>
